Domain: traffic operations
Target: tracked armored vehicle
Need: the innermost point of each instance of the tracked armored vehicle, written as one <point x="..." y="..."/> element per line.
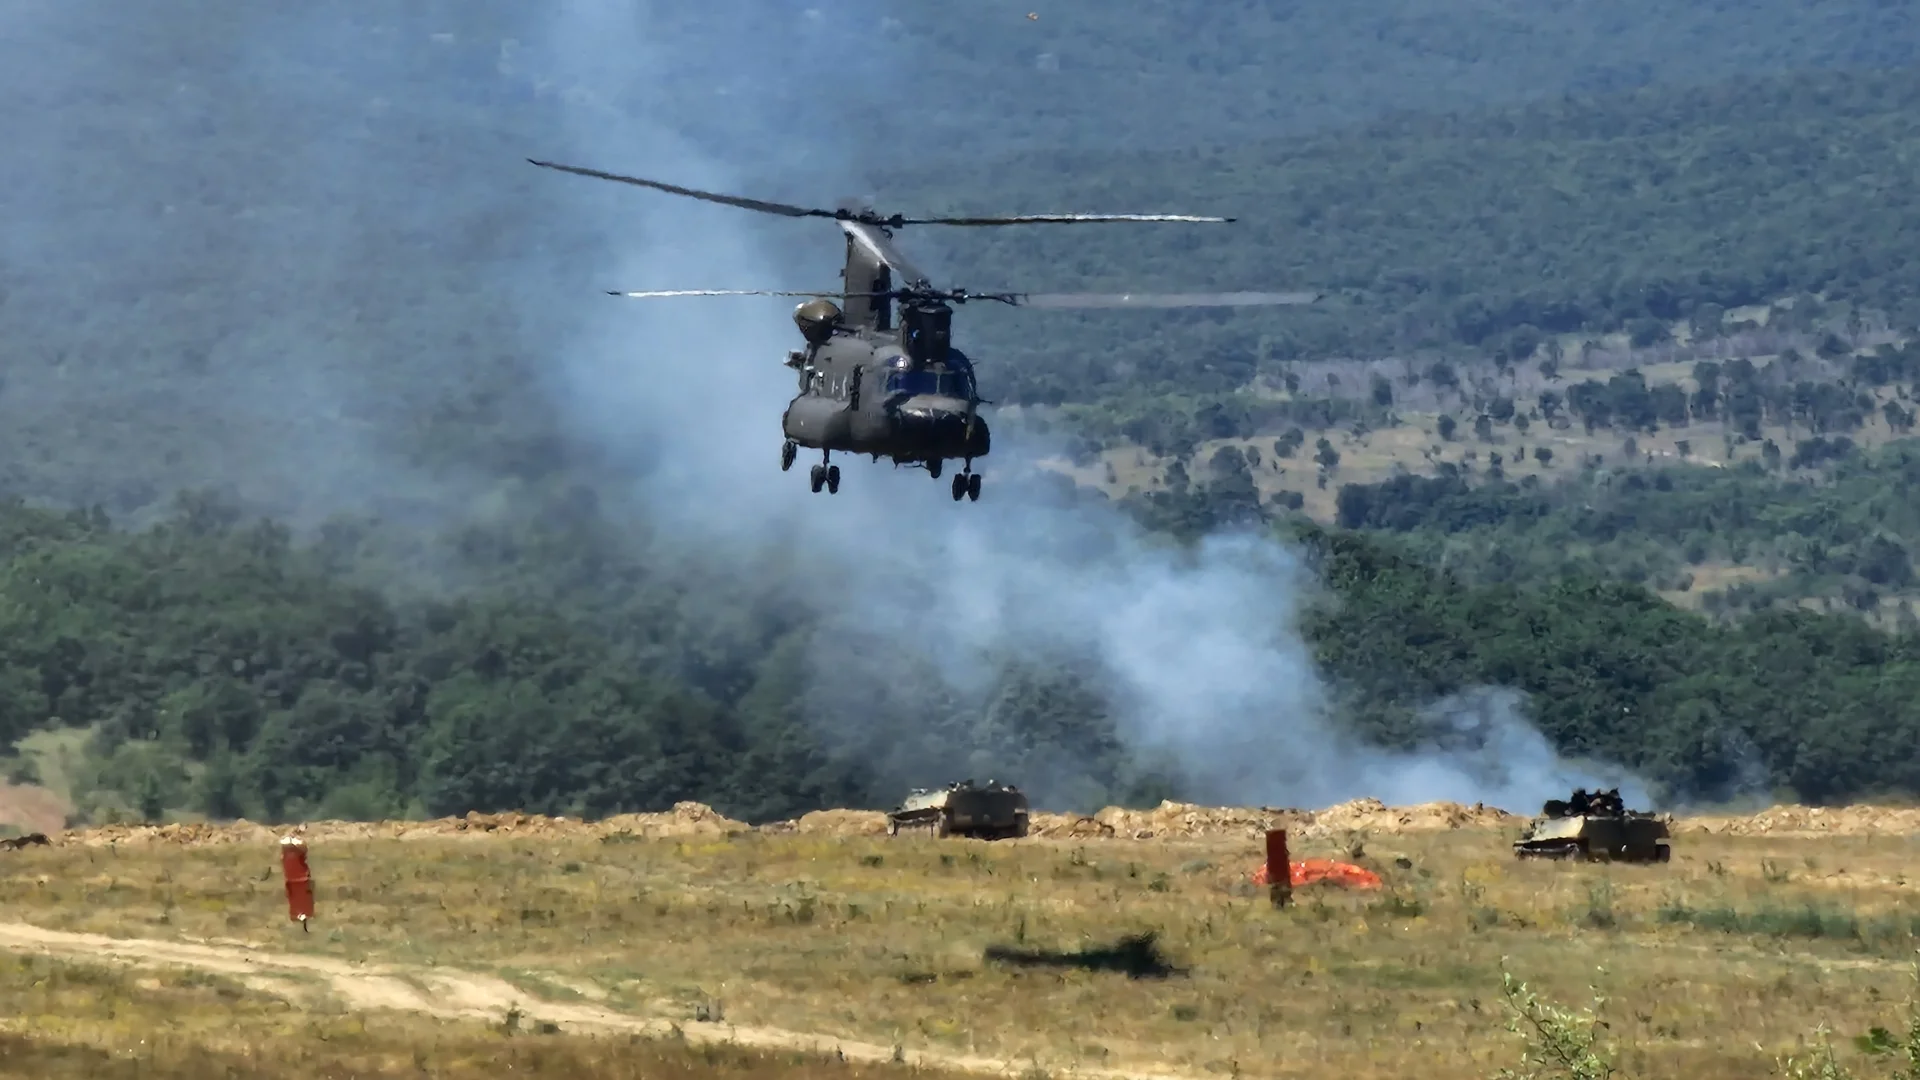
<point x="1594" y="827"/>
<point x="991" y="812"/>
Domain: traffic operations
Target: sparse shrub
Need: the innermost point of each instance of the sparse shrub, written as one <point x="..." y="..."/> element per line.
<point x="1599" y="914"/>
<point x="1564" y="1045"/>
<point x="1559" y="1043"/>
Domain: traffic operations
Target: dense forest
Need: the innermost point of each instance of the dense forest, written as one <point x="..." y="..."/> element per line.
<point x="1847" y="531"/>
<point x="1477" y="235"/>
<point x="1130" y="74"/>
<point x="224" y="669"/>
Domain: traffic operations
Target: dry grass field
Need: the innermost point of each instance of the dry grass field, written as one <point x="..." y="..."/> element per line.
<point x="71" y="1019"/>
<point x="430" y="936"/>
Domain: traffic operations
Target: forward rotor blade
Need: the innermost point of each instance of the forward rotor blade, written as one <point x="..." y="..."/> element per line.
<point x="650" y="293"/>
<point x="1159" y="300"/>
<point x="867" y="215"/>
<point x="1058" y="219"/>
<point x="762" y="205"/>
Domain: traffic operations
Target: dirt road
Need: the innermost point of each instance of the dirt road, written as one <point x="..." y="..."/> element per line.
<point x="452" y="994"/>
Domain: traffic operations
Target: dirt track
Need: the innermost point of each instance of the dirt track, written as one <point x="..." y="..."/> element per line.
<point x="452" y="994"/>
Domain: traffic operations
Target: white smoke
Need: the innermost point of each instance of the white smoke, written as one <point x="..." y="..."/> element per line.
<point x="1199" y="652"/>
<point x="338" y="129"/>
<point x="192" y="212"/>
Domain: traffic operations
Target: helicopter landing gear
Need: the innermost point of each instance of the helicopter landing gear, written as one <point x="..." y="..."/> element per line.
<point x="933" y="468"/>
<point x="966" y="486"/>
<point x="966" y="483"/>
<point x="788" y="451"/>
<point x="825" y="475"/>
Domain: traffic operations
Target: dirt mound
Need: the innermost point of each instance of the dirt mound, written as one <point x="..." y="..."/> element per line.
<point x="837" y="823"/>
<point x="239" y="832"/>
<point x="1811" y="821"/>
<point x="1169" y="821"/>
<point x="1172" y="820"/>
<point x="1371" y="815"/>
<point x="685" y="819"/>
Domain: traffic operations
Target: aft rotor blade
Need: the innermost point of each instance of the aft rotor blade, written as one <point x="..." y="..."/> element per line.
<point x="818" y="294"/>
<point x="762" y="205"/>
<point x="1058" y="219"/>
<point x="1159" y="300"/>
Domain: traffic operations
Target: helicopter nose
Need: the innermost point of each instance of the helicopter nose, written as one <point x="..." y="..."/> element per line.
<point x="947" y="427"/>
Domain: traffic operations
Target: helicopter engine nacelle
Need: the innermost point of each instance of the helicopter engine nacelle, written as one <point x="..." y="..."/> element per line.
<point x="817" y="320"/>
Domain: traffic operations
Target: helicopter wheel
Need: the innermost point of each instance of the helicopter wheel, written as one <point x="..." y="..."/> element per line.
<point x="933" y="468"/>
<point x="959" y="486"/>
<point x="788" y="451"/>
<point x="817" y="477"/>
<point x="973" y="486"/>
<point x="833" y="479"/>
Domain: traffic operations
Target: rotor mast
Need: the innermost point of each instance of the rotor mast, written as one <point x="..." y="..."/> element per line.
<point x="868" y="284"/>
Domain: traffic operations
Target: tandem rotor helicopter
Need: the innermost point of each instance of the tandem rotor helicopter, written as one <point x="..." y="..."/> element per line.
<point x="905" y="392"/>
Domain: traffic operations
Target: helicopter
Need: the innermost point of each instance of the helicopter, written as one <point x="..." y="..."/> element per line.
<point x="870" y="384"/>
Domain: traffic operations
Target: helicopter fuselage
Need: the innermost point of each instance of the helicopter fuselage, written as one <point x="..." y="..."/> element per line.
<point x="860" y="393"/>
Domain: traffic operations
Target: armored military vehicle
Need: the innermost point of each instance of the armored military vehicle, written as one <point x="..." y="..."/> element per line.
<point x="1597" y="826"/>
<point x="991" y="812"/>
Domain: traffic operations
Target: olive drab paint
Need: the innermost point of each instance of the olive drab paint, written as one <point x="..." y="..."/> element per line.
<point x="870" y="387"/>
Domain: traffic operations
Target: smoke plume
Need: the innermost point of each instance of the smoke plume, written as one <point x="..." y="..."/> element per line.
<point x="223" y="222"/>
<point x="1197" y="655"/>
<point x="307" y="236"/>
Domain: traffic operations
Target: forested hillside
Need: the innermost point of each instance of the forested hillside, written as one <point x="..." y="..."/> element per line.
<point x="225" y="670"/>
<point x="335" y="208"/>
<point x="300" y="260"/>
<point x="1139" y="74"/>
<point x="1481" y="235"/>
<point x="1743" y="536"/>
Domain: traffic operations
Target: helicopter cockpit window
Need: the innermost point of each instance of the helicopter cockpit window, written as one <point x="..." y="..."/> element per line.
<point x="943" y="383"/>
